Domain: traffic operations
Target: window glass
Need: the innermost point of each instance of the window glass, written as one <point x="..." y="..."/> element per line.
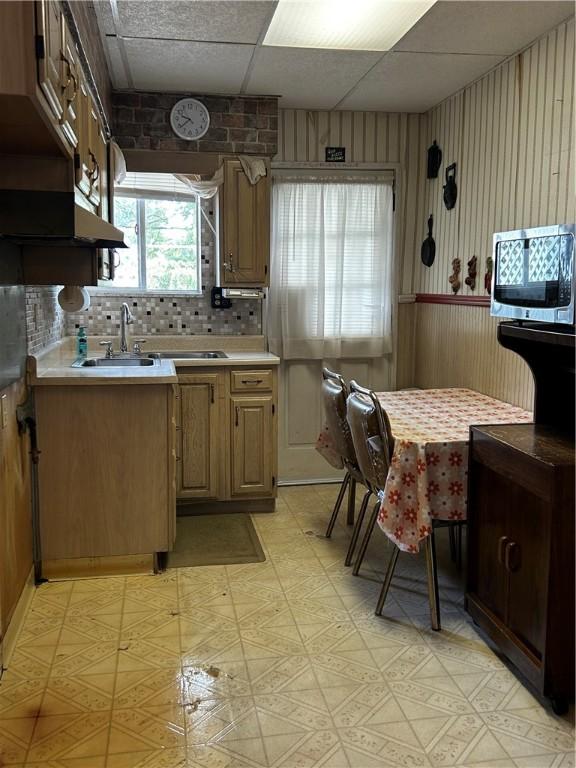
<point x="126" y="219"/>
<point x="171" y="245"/>
<point x="160" y="219"/>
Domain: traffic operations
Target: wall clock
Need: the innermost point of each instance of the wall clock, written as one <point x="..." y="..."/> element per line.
<point x="189" y="119"/>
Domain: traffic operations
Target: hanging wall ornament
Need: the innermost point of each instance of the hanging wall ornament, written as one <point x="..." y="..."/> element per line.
<point x="488" y="275"/>
<point x="472" y="270"/>
<point x="454" y="278"/>
<point x="450" y="188"/>
<point x="434" y="160"/>
<point x="428" y="250"/>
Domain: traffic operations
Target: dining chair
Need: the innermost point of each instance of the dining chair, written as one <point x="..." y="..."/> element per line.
<point x="334" y="395"/>
<point x="373" y="444"/>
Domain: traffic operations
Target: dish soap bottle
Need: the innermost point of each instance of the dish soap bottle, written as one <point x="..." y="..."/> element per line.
<point x="81" y="343"/>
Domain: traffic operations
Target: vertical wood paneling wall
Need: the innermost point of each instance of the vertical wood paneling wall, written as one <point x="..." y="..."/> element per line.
<point x="511" y="135"/>
<point x="369" y="137"/>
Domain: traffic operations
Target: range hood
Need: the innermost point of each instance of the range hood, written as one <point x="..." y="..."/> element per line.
<point x="53" y="219"/>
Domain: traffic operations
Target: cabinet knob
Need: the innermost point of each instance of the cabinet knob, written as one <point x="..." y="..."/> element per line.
<point x="512" y="557"/>
<point x="502" y="542"/>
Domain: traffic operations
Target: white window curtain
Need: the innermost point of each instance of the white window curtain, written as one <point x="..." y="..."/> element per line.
<point x="332" y="268"/>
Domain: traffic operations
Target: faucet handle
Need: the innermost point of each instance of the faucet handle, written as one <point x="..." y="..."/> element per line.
<point x="137" y="348"/>
<point x="108" y="345"/>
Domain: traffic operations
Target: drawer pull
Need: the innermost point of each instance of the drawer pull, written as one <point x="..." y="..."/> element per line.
<point x="237" y="415"/>
<point x="212" y="393"/>
<point x="252" y="381"/>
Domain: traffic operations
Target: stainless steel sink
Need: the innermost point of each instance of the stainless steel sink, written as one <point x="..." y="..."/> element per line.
<point x="111" y="362"/>
<point x="187" y="355"/>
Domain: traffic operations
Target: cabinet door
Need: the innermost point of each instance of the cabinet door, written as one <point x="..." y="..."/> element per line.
<point x="252" y="446"/>
<point x="526" y="562"/>
<point x="50" y="31"/>
<point x="69" y="89"/>
<point x="199" y="475"/>
<point x="245" y="222"/>
<point x="83" y="164"/>
<point x="96" y="157"/>
<point x="489" y="498"/>
<point x="91" y="153"/>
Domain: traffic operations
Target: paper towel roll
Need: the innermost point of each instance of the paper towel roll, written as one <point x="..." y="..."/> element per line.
<point x="74" y="298"/>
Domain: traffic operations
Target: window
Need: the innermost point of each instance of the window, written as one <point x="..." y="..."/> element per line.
<point x="331" y="284"/>
<point x="160" y="219"/>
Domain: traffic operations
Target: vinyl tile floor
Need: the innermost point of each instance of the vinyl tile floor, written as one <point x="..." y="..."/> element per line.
<point x="280" y="664"/>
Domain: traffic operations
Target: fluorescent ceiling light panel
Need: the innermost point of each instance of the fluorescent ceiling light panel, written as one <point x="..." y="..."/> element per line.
<point x="350" y="25"/>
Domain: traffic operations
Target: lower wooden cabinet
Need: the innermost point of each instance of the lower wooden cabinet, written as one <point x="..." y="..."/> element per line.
<point x="521" y="550"/>
<point x="199" y="429"/>
<point x="227" y="444"/>
<point x="105" y="470"/>
<point x="252" y="472"/>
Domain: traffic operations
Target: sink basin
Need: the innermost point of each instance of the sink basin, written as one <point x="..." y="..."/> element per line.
<point x="105" y="362"/>
<point x="187" y="355"/>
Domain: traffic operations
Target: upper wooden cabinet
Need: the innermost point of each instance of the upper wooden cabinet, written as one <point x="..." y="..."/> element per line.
<point x="244" y="228"/>
<point x="49" y="50"/>
<point x="69" y="88"/>
<point x="91" y="162"/>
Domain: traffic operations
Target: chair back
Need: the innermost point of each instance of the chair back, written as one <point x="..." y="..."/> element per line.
<point x="334" y="394"/>
<point x="371" y="435"/>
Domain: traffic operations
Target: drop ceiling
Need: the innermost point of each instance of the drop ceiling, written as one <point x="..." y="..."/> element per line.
<point x="215" y="46"/>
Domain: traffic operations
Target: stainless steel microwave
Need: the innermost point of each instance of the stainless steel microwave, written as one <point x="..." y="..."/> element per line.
<point x="533" y="275"/>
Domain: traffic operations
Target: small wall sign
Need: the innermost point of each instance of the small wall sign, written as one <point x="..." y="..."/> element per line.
<point x="335" y="154"/>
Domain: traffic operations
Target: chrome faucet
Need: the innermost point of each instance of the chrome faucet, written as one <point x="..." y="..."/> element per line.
<point x="125" y="319"/>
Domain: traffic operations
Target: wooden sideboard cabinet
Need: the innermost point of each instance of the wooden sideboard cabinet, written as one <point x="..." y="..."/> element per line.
<point x="521" y="550"/>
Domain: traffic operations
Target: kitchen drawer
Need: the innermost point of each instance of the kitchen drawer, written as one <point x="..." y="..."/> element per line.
<point x="251" y="381"/>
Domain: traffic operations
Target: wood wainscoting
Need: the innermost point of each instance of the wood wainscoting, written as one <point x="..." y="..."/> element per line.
<point x="15" y="507"/>
<point x="456" y="346"/>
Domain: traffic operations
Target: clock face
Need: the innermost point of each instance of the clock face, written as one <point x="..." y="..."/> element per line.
<point x="189" y="119"/>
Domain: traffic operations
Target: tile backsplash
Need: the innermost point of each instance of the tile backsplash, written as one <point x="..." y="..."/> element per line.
<point x="45" y="320"/>
<point x="168" y="315"/>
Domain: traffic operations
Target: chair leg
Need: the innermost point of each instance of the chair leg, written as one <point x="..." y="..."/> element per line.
<point x="366" y="539"/>
<point x="387" y="579"/>
<point x="459" y="547"/>
<point x="357" y="528"/>
<point x="433" y="596"/>
<point x="452" y="539"/>
<point x="351" y="502"/>
<point x="338" y="504"/>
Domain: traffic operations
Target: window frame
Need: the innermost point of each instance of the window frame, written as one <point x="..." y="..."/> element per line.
<point x="106" y="288"/>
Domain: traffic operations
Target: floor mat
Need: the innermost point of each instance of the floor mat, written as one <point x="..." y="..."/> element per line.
<point x="215" y="540"/>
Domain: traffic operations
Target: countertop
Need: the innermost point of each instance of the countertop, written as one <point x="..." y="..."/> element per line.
<point x="52" y="366"/>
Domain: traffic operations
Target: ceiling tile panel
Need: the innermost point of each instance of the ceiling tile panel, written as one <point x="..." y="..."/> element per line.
<point x="308" y="78"/>
<point x="195" y="67"/>
<point x="484" y="27"/>
<point x="226" y="21"/>
<point x="414" y="82"/>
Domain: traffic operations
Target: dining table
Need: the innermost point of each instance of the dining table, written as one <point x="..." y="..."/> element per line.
<point x="427" y="479"/>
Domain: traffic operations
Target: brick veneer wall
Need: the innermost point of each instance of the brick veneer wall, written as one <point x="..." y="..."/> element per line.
<point x="238" y="125"/>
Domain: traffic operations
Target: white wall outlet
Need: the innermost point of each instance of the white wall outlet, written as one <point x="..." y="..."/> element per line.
<point x="4" y="411"/>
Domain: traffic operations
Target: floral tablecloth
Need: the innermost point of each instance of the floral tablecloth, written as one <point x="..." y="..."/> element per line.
<point x="428" y="475"/>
